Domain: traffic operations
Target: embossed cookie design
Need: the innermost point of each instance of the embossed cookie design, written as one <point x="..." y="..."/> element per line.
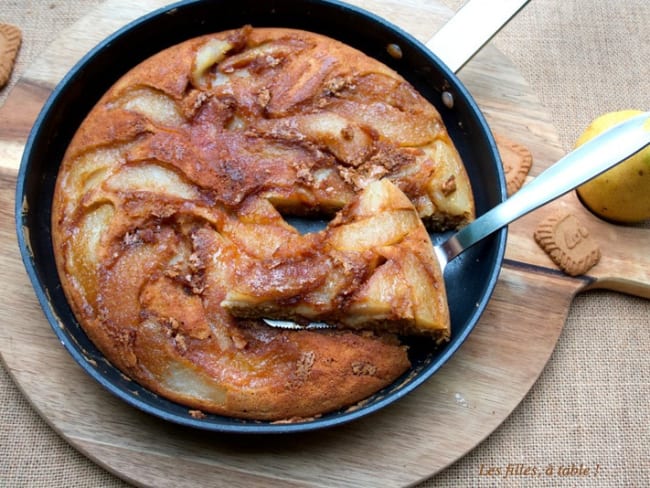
<point x="568" y="243"/>
<point x="10" y="38"/>
<point x="517" y="161"/>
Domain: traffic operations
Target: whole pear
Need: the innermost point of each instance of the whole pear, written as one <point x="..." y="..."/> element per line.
<point x="621" y="194"/>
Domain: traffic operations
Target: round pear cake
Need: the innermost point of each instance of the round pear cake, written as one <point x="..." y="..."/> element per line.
<point x="170" y="237"/>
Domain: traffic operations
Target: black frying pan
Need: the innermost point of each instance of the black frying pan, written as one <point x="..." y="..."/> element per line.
<point x="470" y="278"/>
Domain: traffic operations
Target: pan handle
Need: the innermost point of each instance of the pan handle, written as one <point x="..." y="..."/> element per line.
<point x="471" y="28"/>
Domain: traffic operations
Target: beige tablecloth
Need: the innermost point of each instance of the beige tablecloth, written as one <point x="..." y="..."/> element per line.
<point x="590" y="405"/>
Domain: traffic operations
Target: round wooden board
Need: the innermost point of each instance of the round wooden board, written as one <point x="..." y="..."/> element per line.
<point x="401" y="445"/>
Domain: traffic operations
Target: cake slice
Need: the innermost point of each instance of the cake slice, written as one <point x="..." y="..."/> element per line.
<point x="373" y="267"/>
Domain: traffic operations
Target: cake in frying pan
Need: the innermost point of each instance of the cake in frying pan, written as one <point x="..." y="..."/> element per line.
<point x="170" y="238"/>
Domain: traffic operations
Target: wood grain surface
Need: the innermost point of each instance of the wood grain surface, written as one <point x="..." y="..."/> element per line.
<point x="405" y="443"/>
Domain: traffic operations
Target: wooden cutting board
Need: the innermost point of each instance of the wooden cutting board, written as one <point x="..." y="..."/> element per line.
<point x="401" y="445"/>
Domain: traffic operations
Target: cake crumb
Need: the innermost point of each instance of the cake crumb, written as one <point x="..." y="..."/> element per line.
<point x="197" y="414"/>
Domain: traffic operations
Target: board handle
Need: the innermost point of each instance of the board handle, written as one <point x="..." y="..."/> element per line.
<point x="625" y="259"/>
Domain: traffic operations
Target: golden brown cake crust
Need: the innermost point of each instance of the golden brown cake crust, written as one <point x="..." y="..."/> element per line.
<point x="181" y="172"/>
